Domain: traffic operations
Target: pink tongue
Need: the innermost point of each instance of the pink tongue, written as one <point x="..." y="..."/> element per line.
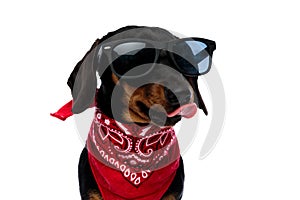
<point x="187" y="111"/>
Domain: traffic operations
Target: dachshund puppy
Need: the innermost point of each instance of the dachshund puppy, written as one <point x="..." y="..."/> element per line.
<point x="148" y="83"/>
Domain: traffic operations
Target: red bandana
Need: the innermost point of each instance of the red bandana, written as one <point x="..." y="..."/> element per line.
<point x="129" y="161"/>
<point x="132" y="162"/>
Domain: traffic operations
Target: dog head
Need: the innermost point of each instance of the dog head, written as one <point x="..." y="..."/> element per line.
<point x="161" y="96"/>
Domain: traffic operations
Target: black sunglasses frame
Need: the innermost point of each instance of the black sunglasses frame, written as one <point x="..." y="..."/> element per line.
<point x="107" y="49"/>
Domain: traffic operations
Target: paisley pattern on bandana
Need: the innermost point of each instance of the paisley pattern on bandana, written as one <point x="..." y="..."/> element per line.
<point x="135" y="151"/>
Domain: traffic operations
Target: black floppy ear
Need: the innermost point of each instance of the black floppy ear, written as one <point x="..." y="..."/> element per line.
<point x="198" y="99"/>
<point x="83" y="81"/>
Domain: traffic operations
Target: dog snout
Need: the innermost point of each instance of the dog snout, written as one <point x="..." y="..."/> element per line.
<point x="179" y="96"/>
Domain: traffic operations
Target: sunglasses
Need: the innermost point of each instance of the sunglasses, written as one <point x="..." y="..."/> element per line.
<point x="190" y="56"/>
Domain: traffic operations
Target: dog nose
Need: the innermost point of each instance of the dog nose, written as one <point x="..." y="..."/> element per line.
<point x="179" y="96"/>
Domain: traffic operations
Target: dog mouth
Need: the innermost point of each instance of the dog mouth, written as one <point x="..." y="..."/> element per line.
<point x="187" y="111"/>
<point x="161" y="116"/>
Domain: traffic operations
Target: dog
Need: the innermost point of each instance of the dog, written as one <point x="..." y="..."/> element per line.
<point x="131" y="150"/>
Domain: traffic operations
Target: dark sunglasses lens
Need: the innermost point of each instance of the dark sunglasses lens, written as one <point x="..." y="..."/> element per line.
<point x="191" y="57"/>
<point x="127" y="56"/>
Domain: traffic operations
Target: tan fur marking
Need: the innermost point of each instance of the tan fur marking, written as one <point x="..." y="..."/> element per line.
<point x="94" y="195"/>
<point x="169" y="197"/>
<point x="114" y="78"/>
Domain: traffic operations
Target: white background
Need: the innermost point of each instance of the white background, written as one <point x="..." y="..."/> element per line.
<point x="257" y="57"/>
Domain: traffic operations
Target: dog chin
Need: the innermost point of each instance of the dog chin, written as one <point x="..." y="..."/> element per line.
<point x="171" y="118"/>
<point x="166" y="122"/>
<point x="171" y="121"/>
